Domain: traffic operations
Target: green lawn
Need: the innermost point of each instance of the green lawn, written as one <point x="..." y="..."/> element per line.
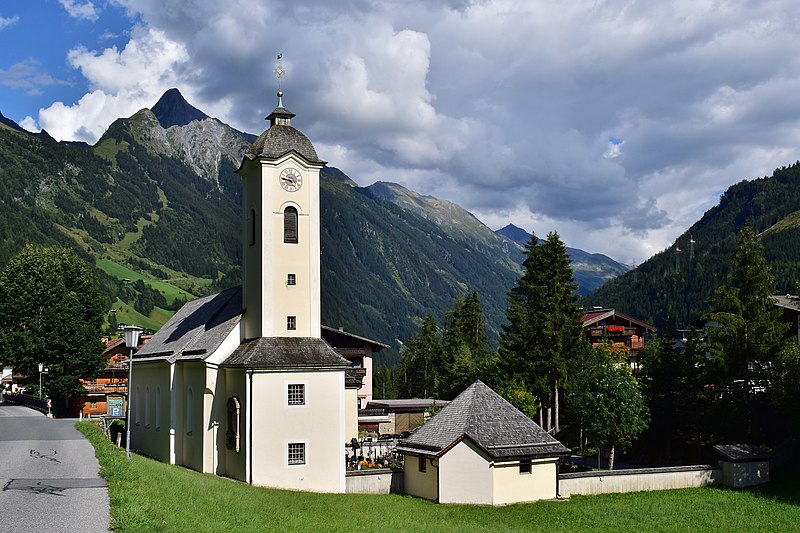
<point x="150" y="496"/>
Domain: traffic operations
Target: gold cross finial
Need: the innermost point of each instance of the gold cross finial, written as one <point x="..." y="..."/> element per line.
<point x="279" y="71"/>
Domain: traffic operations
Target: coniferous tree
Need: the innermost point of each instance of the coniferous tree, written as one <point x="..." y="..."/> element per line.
<point x="747" y="338"/>
<point x="419" y="363"/>
<point x="464" y="347"/>
<point x="544" y="333"/>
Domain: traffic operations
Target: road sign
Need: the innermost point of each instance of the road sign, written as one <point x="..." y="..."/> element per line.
<point x="115" y="406"/>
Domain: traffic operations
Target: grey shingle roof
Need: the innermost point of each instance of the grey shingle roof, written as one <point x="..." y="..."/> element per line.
<point x="277" y="352"/>
<point x="487" y="419"/>
<point x="197" y="329"/>
<point x="279" y="140"/>
<point x="742" y="452"/>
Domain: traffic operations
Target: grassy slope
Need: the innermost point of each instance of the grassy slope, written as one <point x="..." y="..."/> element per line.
<point x="150" y="496"/>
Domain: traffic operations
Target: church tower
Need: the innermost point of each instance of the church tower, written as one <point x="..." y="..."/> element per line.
<point x="281" y="232"/>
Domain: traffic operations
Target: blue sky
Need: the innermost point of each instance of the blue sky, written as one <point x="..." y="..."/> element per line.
<point x="35" y="36"/>
<point x="614" y="122"/>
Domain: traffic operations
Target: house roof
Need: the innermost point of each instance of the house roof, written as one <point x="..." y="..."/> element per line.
<point x="788" y="302"/>
<point x="501" y="430"/>
<point x="739" y="453"/>
<point x="278" y="352"/>
<point x="412" y="404"/>
<point x="333" y="332"/>
<point x="594" y="317"/>
<point x="197" y="329"/>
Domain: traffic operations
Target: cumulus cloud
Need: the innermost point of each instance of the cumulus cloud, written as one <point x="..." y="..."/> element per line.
<point x="612" y="122"/>
<point x="80" y="10"/>
<point x="122" y="82"/>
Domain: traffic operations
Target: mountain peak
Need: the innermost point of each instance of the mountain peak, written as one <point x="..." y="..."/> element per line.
<point x="172" y="109"/>
<point x="515" y="233"/>
<point x="10" y="123"/>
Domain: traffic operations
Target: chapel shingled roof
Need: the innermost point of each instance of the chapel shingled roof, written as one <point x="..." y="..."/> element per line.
<point x="488" y="420"/>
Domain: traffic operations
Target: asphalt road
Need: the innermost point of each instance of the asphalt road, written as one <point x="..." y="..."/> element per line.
<point x="48" y="475"/>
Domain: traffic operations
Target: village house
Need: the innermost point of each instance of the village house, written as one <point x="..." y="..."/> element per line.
<point x="106" y="395"/>
<point x="480" y="449"/>
<point x="621" y="331"/>
<point x="242" y="383"/>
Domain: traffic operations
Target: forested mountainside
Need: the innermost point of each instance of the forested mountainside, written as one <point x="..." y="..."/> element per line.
<point x="156" y="201"/>
<point x="672" y="288"/>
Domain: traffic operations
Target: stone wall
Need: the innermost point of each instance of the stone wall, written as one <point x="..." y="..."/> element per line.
<point x="640" y="479"/>
<point x="374" y="481"/>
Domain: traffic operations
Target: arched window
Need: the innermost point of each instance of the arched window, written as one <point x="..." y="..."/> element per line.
<point x="290" y="225"/>
<point x="251" y="227"/>
<point x="147" y="407"/>
<point x="232" y="435"/>
<point x="158" y="408"/>
<point x="137" y="406"/>
<point x="189" y="417"/>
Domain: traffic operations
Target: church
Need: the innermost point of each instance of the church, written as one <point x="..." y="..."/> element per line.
<point x="242" y="383"/>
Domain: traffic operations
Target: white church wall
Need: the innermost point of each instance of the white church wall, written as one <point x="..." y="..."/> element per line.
<point x="190" y="427"/>
<point x="232" y="462"/>
<point x="317" y="426"/>
<point x="151" y="435"/>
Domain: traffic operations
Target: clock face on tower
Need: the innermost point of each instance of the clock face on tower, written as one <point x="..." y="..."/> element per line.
<point x="291" y="180"/>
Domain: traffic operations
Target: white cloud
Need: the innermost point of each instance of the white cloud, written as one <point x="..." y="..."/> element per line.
<point x="615" y="123"/>
<point x="80" y="10"/>
<point x="5" y="22"/>
<point x="122" y="82"/>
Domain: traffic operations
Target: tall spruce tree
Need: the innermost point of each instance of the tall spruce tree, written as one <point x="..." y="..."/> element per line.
<point x="465" y="351"/>
<point x="747" y="338"/>
<point x="420" y="363"/>
<point x="545" y="329"/>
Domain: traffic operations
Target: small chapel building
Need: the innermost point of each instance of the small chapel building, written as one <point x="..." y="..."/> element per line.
<point x="480" y="449"/>
<point x="242" y="383"/>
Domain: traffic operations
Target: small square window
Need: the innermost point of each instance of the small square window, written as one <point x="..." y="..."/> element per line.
<point x="291" y="322"/>
<point x="524" y="466"/>
<point x="297" y="453"/>
<point x="423" y="464"/>
<point x="296" y="394"/>
<point x="291" y="279"/>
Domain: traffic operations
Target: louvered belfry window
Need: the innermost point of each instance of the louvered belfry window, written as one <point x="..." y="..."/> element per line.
<point x="290" y="225"/>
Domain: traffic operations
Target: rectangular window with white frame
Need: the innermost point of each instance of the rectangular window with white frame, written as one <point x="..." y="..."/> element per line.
<point x="291" y="323"/>
<point x="296" y="394"/>
<point x="296" y="453"/>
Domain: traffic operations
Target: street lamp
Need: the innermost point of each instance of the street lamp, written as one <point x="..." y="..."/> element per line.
<point x="131" y="341"/>
<point x="42" y="370"/>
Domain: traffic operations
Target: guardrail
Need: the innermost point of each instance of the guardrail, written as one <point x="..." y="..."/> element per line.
<point x="33" y="402"/>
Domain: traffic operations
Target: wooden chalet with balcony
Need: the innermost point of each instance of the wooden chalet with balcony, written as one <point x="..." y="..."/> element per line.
<point x="622" y="332"/>
<point x="112" y="382"/>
